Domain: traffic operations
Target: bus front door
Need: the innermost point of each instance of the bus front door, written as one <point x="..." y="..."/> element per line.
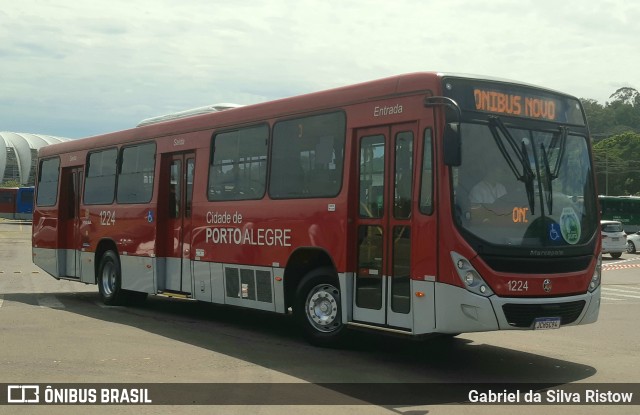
<point x="385" y="179"/>
<point x="175" y="206"/>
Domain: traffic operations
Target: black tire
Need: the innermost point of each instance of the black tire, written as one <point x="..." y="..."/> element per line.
<point x="318" y="310"/>
<point x="631" y="247"/>
<point x="110" y="279"/>
<point x="616" y="255"/>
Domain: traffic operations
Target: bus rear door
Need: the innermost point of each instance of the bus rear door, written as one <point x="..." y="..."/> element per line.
<point x="70" y="239"/>
<point x="174" y="207"/>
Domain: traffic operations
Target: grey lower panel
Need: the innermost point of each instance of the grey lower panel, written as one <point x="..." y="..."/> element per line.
<point x="460" y="311"/>
<point x="202" y="289"/>
<point x="423" y="308"/>
<point x="137" y="273"/>
<point x="248" y="286"/>
<point x="47" y="259"/>
<point x="239" y="285"/>
<point x="88" y="267"/>
<point x="173" y="277"/>
<point x="71" y="263"/>
<point x="346" y="281"/>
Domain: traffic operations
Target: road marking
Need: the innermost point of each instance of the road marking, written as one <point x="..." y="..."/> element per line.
<point x="49" y="301"/>
<point x="623" y="295"/>
<point x="624" y="264"/>
<point x="629" y="290"/>
<point x="610" y="267"/>
<point x="626" y="292"/>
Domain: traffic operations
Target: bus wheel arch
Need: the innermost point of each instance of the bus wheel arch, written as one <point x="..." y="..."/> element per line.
<point x="300" y="263"/>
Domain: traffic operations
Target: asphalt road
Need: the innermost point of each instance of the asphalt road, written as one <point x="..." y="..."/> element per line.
<point x="58" y="332"/>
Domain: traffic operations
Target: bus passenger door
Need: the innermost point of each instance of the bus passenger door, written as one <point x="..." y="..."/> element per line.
<point x="175" y="205"/>
<point x="69" y="242"/>
<point x="385" y="184"/>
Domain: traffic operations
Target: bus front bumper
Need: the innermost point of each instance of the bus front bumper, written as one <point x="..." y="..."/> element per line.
<point x="460" y="311"/>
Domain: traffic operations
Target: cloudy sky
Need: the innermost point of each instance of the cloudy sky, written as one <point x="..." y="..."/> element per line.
<point x="78" y="68"/>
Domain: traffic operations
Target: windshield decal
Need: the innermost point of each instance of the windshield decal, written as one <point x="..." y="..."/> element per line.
<point x="554" y="232"/>
<point x="570" y="226"/>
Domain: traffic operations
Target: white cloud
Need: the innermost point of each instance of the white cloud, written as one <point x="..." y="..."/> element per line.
<point x="90" y="67"/>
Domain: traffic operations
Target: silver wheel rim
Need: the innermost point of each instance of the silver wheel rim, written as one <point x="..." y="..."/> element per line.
<point x="323" y="307"/>
<point x="108" y="279"/>
<point x="630" y="247"/>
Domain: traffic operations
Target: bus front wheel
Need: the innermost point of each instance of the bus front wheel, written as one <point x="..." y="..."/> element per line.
<point x="318" y="309"/>
<point x="109" y="279"/>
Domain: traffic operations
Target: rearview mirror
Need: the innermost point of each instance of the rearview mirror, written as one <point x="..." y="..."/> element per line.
<point x="452" y="145"/>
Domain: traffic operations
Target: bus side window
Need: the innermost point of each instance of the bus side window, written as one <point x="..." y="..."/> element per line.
<point x="135" y="176"/>
<point x="100" y="181"/>
<point x="238" y="168"/>
<point x="189" y="189"/>
<point x="426" y="181"/>
<point x="174" y="190"/>
<point x="307" y="157"/>
<point x="403" y="175"/>
<point x="49" y="173"/>
<point x="372" y="172"/>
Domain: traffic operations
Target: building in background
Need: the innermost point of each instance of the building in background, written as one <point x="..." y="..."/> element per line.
<point x="19" y="154"/>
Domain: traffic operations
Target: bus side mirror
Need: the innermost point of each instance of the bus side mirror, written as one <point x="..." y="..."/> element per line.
<point x="452" y="145"/>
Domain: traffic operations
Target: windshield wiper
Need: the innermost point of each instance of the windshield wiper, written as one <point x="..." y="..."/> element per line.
<point x="527" y="176"/>
<point x="548" y="178"/>
<point x="563" y="140"/>
<point x="551" y="175"/>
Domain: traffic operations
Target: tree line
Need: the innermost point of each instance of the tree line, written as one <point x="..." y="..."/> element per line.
<point x="615" y="131"/>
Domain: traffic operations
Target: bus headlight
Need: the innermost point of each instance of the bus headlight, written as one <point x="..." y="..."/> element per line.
<point x="469" y="276"/>
<point x="597" y="275"/>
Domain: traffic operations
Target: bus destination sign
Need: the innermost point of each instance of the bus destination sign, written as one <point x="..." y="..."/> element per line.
<point x="519" y="105"/>
<point x="513" y="100"/>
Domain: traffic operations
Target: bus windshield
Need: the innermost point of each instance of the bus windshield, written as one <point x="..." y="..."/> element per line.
<point x="524" y="187"/>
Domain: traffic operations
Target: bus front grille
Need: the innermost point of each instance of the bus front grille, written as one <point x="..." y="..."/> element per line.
<point x="524" y="265"/>
<point x="522" y="315"/>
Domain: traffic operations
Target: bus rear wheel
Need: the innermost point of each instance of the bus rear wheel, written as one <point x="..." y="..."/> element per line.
<point x="318" y="309"/>
<point x="110" y="279"/>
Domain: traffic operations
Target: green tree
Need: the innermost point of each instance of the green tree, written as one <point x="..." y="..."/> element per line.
<point x="617" y="164"/>
<point x="10" y="183"/>
<point x="600" y="120"/>
<point x="618" y="116"/>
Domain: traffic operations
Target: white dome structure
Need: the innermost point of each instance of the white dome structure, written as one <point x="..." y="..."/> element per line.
<point x="19" y="155"/>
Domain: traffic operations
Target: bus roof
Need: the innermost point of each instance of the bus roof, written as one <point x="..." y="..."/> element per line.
<point x="311" y="102"/>
<point x="188" y="113"/>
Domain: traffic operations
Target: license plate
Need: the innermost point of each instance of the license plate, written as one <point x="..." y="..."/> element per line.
<point x="615" y="239"/>
<point x="546" y="323"/>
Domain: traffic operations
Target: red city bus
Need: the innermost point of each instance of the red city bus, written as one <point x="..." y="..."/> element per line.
<point x="420" y="204"/>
